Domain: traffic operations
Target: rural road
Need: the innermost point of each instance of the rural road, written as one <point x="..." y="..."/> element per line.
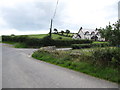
<point x="20" y="70"/>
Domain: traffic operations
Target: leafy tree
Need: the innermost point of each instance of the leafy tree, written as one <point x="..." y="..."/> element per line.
<point x="62" y="32"/>
<point x="111" y="33"/>
<point x="55" y="30"/>
<point x="12" y="35"/>
<point x="67" y="31"/>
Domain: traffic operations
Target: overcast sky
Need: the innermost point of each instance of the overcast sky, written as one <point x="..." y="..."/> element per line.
<point x="33" y="16"/>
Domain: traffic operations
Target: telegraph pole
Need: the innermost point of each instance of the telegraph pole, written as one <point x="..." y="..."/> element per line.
<point x="51" y="28"/>
<point x="51" y="22"/>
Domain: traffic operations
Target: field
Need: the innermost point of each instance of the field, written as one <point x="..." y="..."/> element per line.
<point x="54" y="36"/>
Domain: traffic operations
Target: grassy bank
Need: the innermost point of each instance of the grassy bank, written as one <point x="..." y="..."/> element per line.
<point x="81" y="61"/>
<point x="17" y="45"/>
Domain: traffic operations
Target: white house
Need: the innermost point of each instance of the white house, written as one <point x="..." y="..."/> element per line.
<point x="90" y="35"/>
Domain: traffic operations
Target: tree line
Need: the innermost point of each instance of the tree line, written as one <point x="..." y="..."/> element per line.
<point x="62" y="32"/>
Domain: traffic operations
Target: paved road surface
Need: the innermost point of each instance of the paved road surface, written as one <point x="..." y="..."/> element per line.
<point x="20" y="70"/>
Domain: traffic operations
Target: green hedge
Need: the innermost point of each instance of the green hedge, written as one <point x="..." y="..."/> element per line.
<point x="100" y="44"/>
<point x="46" y="41"/>
<point x="80" y="46"/>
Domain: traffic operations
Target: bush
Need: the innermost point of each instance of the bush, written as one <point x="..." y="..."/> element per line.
<point x="107" y="57"/>
<point x="80" y="46"/>
<point x="100" y="44"/>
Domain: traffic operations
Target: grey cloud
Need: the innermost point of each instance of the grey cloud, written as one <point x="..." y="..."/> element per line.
<point x="29" y="16"/>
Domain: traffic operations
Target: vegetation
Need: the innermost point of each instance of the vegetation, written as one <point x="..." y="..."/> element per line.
<point x="46" y="41"/>
<point x="107" y="57"/>
<point x="102" y="63"/>
<point x="80" y="46"/>
<point x="17" y="45"/>
<point x="62" y="32"/>
<point x="97" y="59"/>
<point x="111" y="33"/>
<point x="56" y="31"/>
<point x="54" y="36"/>
<point x="67" y="32"/>
<point x="90" y="45"/>
<point x="101" y="44"/>
<point x="20" y="45"/>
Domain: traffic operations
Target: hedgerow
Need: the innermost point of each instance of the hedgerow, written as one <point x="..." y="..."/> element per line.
<point x="46" y="41"/>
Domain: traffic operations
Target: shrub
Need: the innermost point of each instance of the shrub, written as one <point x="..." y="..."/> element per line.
<point x="80" y="46"/>
<point x="100" y="44"/>
<point x="107" y="57"/>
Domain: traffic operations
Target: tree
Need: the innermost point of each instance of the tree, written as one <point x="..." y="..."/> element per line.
<point x="55" y="30"/>
<point x="62" y="32"/>
<point x="67" y="31"/>
<point x="50" y="33"/>
<point x="111" y="33"/>
<point x="12" y="35"/>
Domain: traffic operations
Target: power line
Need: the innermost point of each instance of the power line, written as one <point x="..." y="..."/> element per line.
<point x="51" y="23"/>
<point x="55" y="9"/>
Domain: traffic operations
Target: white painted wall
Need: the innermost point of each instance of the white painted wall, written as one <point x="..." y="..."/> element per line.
<point x="87" y="36"/>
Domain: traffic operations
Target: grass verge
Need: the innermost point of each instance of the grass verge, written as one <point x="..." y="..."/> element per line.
<point x="17" y="45"/>
<point x="65" y="60"/>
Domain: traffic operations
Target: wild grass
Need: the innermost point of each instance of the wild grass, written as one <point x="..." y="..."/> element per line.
<point x="17" y="45"/>
<point x="100" y="42"/>
<point x="20" y="45"/>
<point x="82" y="63"/>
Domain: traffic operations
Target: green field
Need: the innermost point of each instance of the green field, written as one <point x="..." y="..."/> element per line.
<point x="54" y="36"/>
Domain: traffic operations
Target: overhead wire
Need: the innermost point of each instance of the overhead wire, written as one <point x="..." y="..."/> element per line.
<point x="55" y="10"/>
<point x="53" y="18"/>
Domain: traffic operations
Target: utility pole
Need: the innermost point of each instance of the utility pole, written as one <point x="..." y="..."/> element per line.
<point x="51" y="28"/>
<point x="51" y="22"/>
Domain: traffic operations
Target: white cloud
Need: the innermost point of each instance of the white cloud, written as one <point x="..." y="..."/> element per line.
<point x="17" y="32"/>
<point x="16" y="15"/>
<point x="90" y="12"/>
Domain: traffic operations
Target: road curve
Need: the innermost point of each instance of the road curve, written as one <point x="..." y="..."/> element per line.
<point x="20" y="70"/>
